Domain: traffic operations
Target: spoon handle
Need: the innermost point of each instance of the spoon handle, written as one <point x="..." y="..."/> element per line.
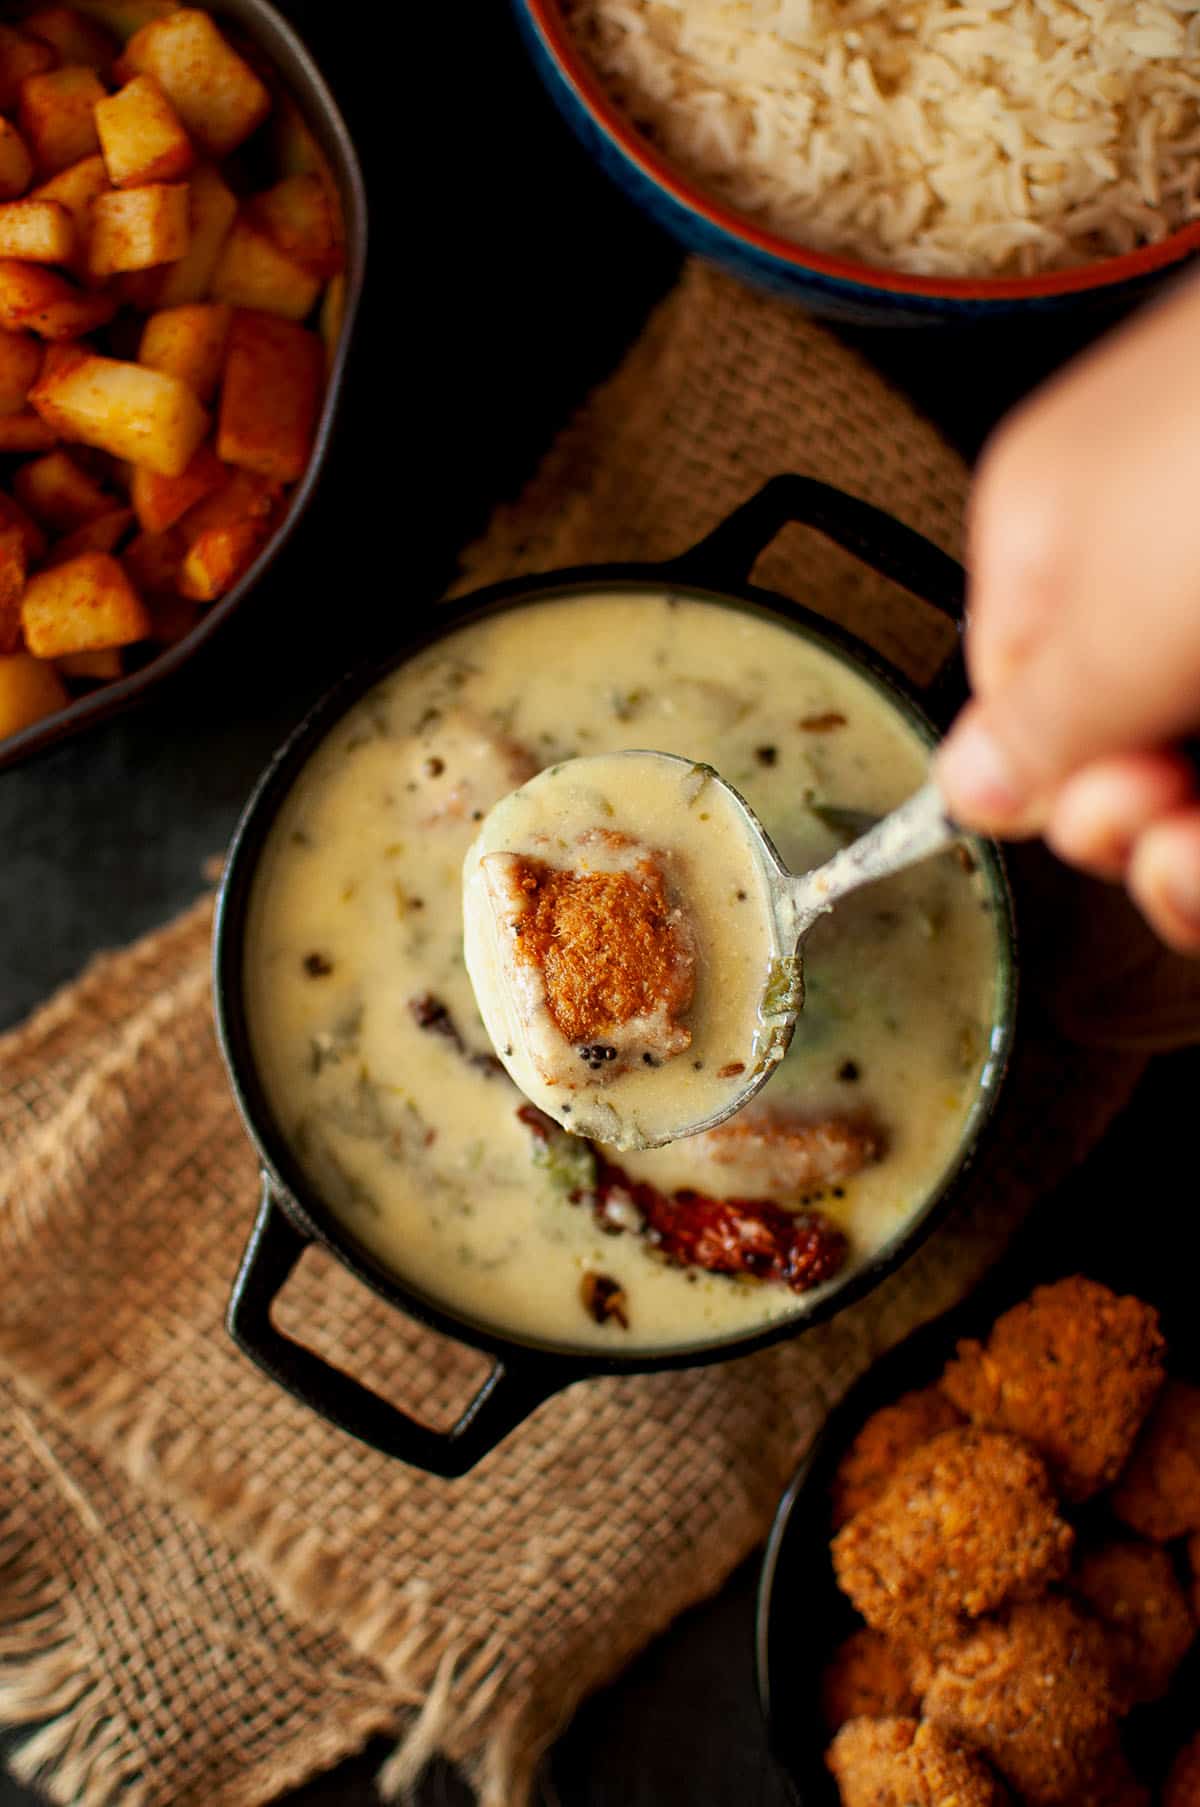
<point x="915" y="831"/>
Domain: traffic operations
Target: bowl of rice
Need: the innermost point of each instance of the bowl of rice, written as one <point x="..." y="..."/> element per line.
<point x="898" y="160"/>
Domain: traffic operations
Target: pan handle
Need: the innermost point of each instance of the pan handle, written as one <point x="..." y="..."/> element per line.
<point x="511" y="1392"/>
<point x="729" y="553"/>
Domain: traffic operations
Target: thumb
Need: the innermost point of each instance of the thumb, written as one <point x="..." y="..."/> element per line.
<point x="1080" y="696"/>
<point x="1084" y="621"/>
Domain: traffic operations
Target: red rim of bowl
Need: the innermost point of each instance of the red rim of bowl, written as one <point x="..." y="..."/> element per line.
<point x="1105" y="273"/>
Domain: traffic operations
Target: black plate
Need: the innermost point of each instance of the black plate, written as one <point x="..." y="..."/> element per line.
<point x="1096" y="1227"/>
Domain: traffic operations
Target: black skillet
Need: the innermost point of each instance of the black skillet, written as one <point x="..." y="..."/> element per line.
<point x="292" y="1214"/>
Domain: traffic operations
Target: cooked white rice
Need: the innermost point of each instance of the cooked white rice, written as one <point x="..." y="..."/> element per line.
<point x="947" y="137"/>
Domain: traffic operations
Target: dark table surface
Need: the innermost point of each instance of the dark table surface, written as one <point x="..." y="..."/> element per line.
<point x="506" y="278"/>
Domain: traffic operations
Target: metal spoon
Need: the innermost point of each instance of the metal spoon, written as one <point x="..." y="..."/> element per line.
<point x="793" y="903"/>
<point x="916" y="831"/>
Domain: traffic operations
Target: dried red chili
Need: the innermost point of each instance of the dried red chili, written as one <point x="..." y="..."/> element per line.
<point x="754" y="1236"/>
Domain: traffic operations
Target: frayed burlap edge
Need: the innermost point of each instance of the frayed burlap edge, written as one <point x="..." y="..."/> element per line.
<point x="55" y="1674"/>
<point x="48" y="1666"/>
<point x="49" y="1663"/>
<point x="441" y="1684"/>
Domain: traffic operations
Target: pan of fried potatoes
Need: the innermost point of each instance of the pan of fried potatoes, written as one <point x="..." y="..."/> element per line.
<point x="182" y="245"/>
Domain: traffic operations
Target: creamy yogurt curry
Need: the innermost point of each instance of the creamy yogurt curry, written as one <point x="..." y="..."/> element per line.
<point x="381" y="1076"/>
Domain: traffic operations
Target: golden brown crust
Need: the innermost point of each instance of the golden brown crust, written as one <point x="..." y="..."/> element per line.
<point x="1033" y="1692"/>
<point x="900" y="1763"/>
<point x="610" y="946"/>
<point x="1073" y="1370"/>
<point x="881" y="1445"/>
<point x="1159" y="1493"/>
<point x="867" y="1679"/>
<point x="1183" y="1783"/>
<point x="1133" y="1589"/>
<point x="967" y="1523"/>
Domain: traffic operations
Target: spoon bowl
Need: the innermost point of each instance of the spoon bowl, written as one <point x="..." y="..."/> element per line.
<point x="606" y="876"/>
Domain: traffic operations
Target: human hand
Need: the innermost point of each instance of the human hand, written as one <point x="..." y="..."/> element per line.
<point x="1083" y="638"/>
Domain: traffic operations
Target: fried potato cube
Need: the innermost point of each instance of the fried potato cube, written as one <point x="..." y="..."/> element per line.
<point x="20" y="362"/>
<point x="141" y="136"/>
<point x="136" y="228"/>
<point x="1033" y="1693"/>
<point x="12" y="515"/>
<point x="25" y="432"/>
<point x="218" y="558"/>
<point x="212" y="210"/>
<point x="41" y="232"/>
<point x="1132" y="1587"/>
<point x="58" y="115"/>
<point x="102" y="665"/>
<point x="16" y="164"/>
<point x="75" y="316"/>
<point x="12" y="587"/>
<point x="297" y="153"/>
<point x="190" y="343"/>
<point x="1158" y="1495"/>
<point x="101" y="535"/>
<point x="161" y="501"/>
<point x="124" y="17"/>
<point x="29" y="690"/>
<point x="253" y="272"/>
<point x="76" y="188"/>
<point x="134" y="413"/>
<point x="225" y="534"/>
<point x="41" y="301"/>
<point x="966" y="1523"/>
<point x="26" y="292"/>
<point x="300" y="216"/>
<point x="20" y="57"/>
<point x="294" y="147"/>
<point x="82" y="606"/>
<point x="215" y="92"/>
<point x="1073" y="1370"/>
<point x="59" y="494"/>
<point x="867" y="1678"/>
<point x="153" y="562"/>
<point x="271" y="399"/>
<point x="898" y="1762"/>
<point x="73" y="38"/>
<point x="886" y="1438"/>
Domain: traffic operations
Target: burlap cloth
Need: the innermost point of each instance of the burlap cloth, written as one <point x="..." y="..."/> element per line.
<point x="205" y="1593"/>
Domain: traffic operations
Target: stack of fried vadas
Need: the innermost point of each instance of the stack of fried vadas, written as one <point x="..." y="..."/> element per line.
<point x="1007" y="1634"/>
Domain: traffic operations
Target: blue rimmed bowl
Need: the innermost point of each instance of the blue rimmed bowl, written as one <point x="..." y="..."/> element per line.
<point x="841" y="288"/>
